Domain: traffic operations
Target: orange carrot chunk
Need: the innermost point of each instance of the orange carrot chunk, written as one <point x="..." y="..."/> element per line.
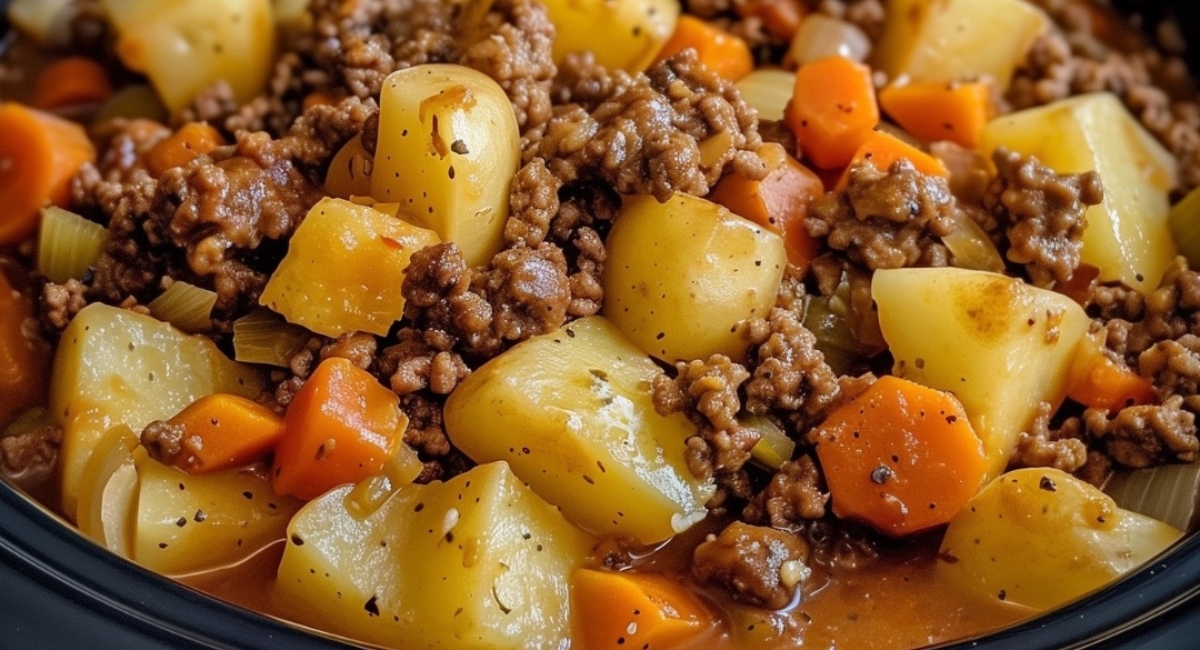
<point x="933" y="111"/>
<point x="223" y="431"/>
<point x="341" y="427"/>
<point x="635" y="610"/>
<point x="900" y="457"/>
<point x="882" y="149"/>
<point x="1096" y="381"/>
<point x="720" y="51"/>
<point x="833" y="110"/>
<point x="181" y="147"/>
<point x="70" y="81"/>
<point x="778" y="202"/>
<point x="24" y="358"/>
<point x="39" y="153"/>
<point x="780" y="18"/>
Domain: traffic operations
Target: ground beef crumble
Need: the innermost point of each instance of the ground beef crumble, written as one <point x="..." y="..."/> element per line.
<point x="759" y="566"/>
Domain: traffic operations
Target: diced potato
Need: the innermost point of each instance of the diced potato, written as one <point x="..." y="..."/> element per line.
<point x="115" y="367"/>
<point x="343" y="269"/>
<point x="349" y="172"/>
<point x="951" y="40"/>
<point x="681" y="275"/>
<point x="447" y="151"/>
<point x="477" y="562"/>
<point x="622" y="34"/>
<point x="46" y="22"/>
<point x="1040" y="537"/>
<point x="187" y="522"/>
<point x="184" y="46"/>
<point x="571" y="412"/>
<point x="1128" y="236"/>
<point x="1001" y="346"/>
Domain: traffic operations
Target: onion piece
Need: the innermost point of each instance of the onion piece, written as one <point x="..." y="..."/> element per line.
<point x="107" y="492"/>
<point x="774" y="447"/>
<point x="68" y="244"/>
<point x="768" y="90"/>
<point x="263" y="337"/>
<point x="1167" y="493"/>
<point x="971" y="246"/>
<point x="821" y="36"/>
<point x="185" y="306"/>
<point x="1184" y="219"/>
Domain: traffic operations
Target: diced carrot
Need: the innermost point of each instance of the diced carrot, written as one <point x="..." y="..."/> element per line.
<point x="1079" y="287"/>
<point x="24" y="356"/>
<point x="882" y="149"/>
<point x="720" y="51"/>
<point x="70" y="81"/>
<point x="1096" y="381"/>
<point x="780" y="18"/>
<point x="833" y="110"/>
<point x="635" y="610"/>
<point x="39" y="153"/>
<point x="342" y="426"/>
<point x="900" y="457"/>
<point x="778" y="202"/>
<point x="932" y="111"/>
<point x="223" y="431"/>
<point x="182" y="147"/>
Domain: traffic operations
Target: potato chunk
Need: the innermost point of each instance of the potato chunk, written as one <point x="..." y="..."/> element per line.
<point x="116" y="367"/>
<point x="940" y="40"/>
<point x="681" y="275"/>
<point x="1001" y="346"/>
<point x="1128" y="236"/>
<point x="477" y="562"/>
<point x="571" y="412"/>
<point x="622" y="34"/>
<point x="343" y="269"/>
<point x="1040" y="537"/>
<point x="185" y="46"/>
<point x="447" y="151"/>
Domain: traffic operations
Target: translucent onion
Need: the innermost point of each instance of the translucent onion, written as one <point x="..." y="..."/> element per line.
<point x="68" y="244"/>
<point x="774" y="447"/>
<point x="138" y="101"/>
<point x="263" y="337"/>
<point x="768" y="90"/>
<point x="47" y="22"/>
<point x="1167" y="493"/>
<point x="1185" y="225"/>
<point x="971" y="247"/>
<point x="185" y="306"/>
<point x="821" y="36"/>
<point x="835" y="335"/>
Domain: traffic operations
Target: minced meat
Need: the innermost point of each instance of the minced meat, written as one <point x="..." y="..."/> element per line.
<point x="758" y="565"/>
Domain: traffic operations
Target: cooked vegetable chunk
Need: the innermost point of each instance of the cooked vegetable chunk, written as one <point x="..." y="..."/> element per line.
<point x="621" y="34"/>
<point x="24" y="360"/>
<point x="116" y="367"/>
<point x="447" y="151"/>
<point x="681" y="275"/>
<point x="571" y="412"/>
<point x="187" y="522"/>
<point x="1001" y="346"/>
<point x="1128" y="236"/>
<point x="953" y="40"/>
<point x="1040" y="537"/>
<point x="185" y="46"/>
<point x="476" y="562"/>
<point x="343" y="269"/>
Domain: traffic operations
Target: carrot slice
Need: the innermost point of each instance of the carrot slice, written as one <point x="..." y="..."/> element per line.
<point x="342" y="426"/>
<point x="635" y="610"/>
<point x="778" y="202"/>
<point x="882" y="149"/>
<point x="720" y="51"/>
<point x="833" y="110"/>
<point x="901" y="457"/>
<point x="223" y="431"/>
<point x="1096" y="381"/>
<point x="181" y="147"/>
<point x="24" y="357"/>
<point x="39" y="153"/>
<point x="70" y="81"/>
<point x="933" y="111"/>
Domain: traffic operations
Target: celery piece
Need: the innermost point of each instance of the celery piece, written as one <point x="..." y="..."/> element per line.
<point x="68" y="244"/>
<point x="263" y="337"/>
<point x="185" y="306"/>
